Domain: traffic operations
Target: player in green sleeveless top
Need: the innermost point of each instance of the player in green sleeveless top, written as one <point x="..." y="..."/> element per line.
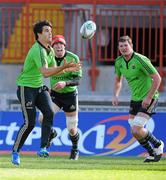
<point x="64" y="92"/>
<point x="31" y="93"/>
<point x="144" y="81"/>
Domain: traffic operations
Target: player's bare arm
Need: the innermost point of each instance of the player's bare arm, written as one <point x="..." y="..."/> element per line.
<point x="69" y="66"/>
<point x="61" y="84"/>
<point x="76" y="67"/>
<point x="117" y="89"/>
<point x="156" y="80"/>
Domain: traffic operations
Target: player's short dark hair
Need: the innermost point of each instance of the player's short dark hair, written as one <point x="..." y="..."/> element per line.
<point x="125" y="38"/>
<point x="38" y="27"/>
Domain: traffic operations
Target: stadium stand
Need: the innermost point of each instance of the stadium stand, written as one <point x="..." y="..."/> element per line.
<point x="20" y="36"/>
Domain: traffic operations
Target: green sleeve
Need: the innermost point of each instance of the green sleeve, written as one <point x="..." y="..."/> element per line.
<point x="117" y="69"/>
<point x="147" y="67"/>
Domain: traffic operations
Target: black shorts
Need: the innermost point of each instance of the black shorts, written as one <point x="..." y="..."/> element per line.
<point x="136" y="107"/>
<point x="66" y="101"/>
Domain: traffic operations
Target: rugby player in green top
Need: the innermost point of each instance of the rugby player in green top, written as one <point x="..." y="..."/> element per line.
<point x="39" y="63"/>
<point x="64" y="92"/>
<point x="144" y="81"/>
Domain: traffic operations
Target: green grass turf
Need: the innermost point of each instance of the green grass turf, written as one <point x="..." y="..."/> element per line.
<point x="86" y="168"/>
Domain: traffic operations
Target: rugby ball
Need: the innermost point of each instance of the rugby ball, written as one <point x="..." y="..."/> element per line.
<point x="88" y="29"/>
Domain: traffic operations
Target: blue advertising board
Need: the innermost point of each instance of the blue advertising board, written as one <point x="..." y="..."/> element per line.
<point x="101" y="133"/>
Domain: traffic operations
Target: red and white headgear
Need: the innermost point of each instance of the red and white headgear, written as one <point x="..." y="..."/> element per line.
<point x="58" y="39"/>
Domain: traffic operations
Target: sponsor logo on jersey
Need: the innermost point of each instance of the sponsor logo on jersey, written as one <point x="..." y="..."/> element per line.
<point x="133" y="66"/>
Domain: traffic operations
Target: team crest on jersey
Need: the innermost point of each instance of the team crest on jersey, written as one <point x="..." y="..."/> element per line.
<point x="133" y="66"/>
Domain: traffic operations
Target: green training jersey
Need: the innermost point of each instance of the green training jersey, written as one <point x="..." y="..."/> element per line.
<point x="37" y="56"/>
<point x="137" y="72"/>
<point x="69" y="56"/>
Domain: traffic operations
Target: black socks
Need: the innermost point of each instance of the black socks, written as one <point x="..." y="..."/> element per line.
<point x="74" y="140"/>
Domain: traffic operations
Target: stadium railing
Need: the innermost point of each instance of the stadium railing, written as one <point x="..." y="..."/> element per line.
<point x="144" y="21"/>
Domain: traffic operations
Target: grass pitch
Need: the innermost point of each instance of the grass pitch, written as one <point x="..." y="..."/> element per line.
<point x="86" y="168"/>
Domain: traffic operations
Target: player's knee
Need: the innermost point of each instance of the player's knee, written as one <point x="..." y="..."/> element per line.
<point x="72" y="123"/>
<point x="135" y="130"/>
<point x="48" y="116"/>
<point x="136" y="125"/>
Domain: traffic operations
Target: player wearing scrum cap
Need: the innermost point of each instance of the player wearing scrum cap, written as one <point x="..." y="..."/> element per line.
<point x="64" y="92"/>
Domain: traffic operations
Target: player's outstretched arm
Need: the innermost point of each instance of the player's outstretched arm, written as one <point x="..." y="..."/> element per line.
<point x="75" y="81"/>
<point x="67" y="66"/>
<point x="73" y="66"/>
